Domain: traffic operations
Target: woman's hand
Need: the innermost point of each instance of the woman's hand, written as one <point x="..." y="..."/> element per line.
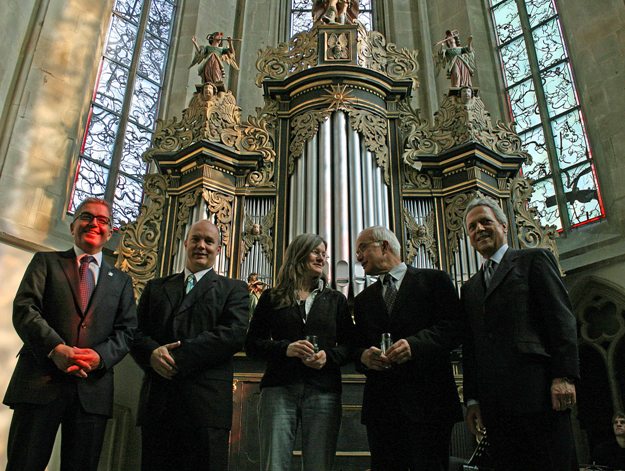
<point x="316" y="361"/>
<point x="300" y="349"/>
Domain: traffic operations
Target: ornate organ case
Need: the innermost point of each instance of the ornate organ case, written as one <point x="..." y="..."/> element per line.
<point x="337" y="147"/>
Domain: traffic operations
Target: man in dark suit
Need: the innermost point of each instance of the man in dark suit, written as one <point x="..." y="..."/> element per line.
<point x="76" y="315"/>
<point x="410" y="399"/>
<point x="520" y="352"/>
<point x="190" y="326"/>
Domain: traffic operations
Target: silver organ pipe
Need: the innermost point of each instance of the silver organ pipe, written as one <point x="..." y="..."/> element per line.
<point x="346" y="194"/>
<point x="323" y="194"/>
<point x="340" y="192"/>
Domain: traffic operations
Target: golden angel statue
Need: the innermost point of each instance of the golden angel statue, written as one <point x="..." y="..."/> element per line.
<point x="211" y="58"/>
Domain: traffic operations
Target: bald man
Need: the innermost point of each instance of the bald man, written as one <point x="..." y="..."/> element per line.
<point x="190" y="326"/>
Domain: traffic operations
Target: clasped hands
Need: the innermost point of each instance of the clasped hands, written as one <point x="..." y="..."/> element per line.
<point x="304" y="350"/>
<point x="75" y="361"/>
<point x="162" y="362"/>
<point x="398" y="353"/>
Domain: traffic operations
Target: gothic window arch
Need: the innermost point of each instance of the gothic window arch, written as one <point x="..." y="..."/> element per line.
<point x="544" y="104"/>
<point x="124" y="106"/>
<point x="301" y="15"/>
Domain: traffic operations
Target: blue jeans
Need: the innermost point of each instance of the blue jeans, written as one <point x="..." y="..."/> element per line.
<point x="281" y="410"/>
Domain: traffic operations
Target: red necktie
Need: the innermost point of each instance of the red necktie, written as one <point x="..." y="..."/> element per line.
<point x="87" y="282"/>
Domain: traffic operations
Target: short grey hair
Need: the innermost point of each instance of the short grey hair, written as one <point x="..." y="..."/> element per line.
<point x="489" y="203"/>
<point x="93" y="200"/>
<point x="380" y="233"/>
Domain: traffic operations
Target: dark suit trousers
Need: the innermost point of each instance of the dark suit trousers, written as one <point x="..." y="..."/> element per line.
<point x="402" y="445"/>
<point x="166" y="446"/>
<point x="532" y="442"/>
<point x="34" y="427"/>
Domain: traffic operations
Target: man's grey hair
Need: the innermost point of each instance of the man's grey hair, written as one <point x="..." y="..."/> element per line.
<point x="488" y="202"/>
<point x="380" y="233"/>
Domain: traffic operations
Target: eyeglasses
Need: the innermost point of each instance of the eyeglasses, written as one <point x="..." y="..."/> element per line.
<point x="318" y="254"/>
<point x="88" y="217"/>
<point x="363" y="246"/>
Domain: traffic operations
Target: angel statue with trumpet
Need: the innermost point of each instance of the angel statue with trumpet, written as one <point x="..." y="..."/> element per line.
<point x="211" y="58"/>
<point x="457" y="60"/>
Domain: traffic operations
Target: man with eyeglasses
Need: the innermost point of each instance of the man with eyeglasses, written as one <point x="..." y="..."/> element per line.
<point x="410" y="400"/>
<point x="76" y="315"/>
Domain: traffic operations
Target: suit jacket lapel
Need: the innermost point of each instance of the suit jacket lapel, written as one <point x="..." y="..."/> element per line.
<point x="174" y="291"/>
<point x="69" y="266"/>
<point x="103" y="284"/>
<point x="200" y="289"/>
<point x="502" y="270"/>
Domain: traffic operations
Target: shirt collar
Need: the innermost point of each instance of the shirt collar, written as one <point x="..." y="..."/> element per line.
<point x="398" y="271"/>
<point x="80" y="252"/>
<point x="198" y="274"/>
<point x="498" y="256"/>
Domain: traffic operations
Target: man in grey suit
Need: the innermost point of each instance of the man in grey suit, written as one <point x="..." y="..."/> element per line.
<point x="410" y="400"/>
<point x="520" y="351"/>
<point x="76" y="315"/>
<point x="190" y="326"/>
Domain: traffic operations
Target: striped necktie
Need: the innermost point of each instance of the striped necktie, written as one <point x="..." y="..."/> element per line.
<point x="390" y="292"/>
<point x="189" y="283"/>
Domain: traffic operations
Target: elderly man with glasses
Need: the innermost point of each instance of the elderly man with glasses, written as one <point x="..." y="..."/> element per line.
<point x="406" y="323"/>
<point x="76" y="315"/>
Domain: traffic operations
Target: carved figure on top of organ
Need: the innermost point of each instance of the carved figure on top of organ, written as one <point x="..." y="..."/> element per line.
<point x="335" y="11"/>
<point x="457" y="60"/>
<point x="211" y="58"/>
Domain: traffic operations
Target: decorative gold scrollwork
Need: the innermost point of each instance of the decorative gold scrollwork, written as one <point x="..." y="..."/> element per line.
<point x="454" y="218"/>
<point x="288" y="58"/>
<point x="461" y="119"/>
<point x="530" y="232"/>
<point x="137" y="253"/>
<point x="420" y="235"/>
<point x="374" y="131"/>
<point x="218" y="119"/>
<point x="376" y="54"/>
<point x="300" y="53"/>
<point x="303" y="128"/>
<point x="221" y="206"/>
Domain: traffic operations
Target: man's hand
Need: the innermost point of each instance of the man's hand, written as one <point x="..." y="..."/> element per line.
<point x="300" y="349"/>
<point x="87" y="358"/>
<point x="162" y="362"/>
<point x="75" y="361"/>
<point x="316" y="361"/>
<point x="473" y="420"/>
<point x="563" y="395"/>
<point x="374" y="359"/>
<point x="399" y="352"/>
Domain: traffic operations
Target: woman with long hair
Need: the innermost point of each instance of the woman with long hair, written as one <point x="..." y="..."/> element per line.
<point x="302" y="328"/>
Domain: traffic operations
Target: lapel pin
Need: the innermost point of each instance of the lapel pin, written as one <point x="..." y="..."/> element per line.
<point x="110" y="273"/>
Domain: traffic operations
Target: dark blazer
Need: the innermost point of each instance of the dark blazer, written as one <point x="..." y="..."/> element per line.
<point x="522" y="333"/>
<point x="272" y="330"/>
<point x="46" y="312"/>
<point x="210" y="322"/>
<point x="425" y="308"/>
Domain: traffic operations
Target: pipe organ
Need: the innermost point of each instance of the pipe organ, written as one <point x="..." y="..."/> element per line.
<point x="337" y="147"/>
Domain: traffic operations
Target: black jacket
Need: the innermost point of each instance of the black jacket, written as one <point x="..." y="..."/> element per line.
<point x="272" y="330"/>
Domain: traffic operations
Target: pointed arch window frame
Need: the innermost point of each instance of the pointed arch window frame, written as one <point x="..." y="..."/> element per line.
<point x="124" y="106"/>
<point x="543" y="101"/>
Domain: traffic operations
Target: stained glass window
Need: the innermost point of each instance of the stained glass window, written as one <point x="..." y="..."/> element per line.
<point x="124" y="106"/>
<point x="545" y="107"/>
<point x="301" y="14"/>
